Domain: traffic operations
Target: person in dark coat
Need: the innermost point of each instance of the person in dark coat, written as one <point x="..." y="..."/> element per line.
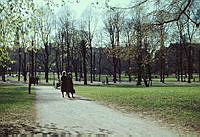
<point x="64" y="87"/>
<point x="70" y="86"/>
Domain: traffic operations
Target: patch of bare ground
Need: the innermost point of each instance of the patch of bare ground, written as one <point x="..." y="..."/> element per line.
<point x="19" y="120"/>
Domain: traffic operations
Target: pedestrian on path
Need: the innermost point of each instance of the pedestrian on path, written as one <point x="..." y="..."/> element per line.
<point x="70" y="86"/>
<point x="64" y="87"/>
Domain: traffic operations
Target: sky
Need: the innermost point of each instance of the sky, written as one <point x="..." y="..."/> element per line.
<point x="82" y="6"/>
<point x="79" y="9"/>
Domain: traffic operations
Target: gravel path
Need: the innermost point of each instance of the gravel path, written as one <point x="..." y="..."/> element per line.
<point x="82" y="116"/>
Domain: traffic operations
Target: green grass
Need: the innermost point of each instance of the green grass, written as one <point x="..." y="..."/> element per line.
<point x="15" y="99"/>
<point x="171" y="103"/>
<point x="170" y="78"/>
<point x="13" y="78"/>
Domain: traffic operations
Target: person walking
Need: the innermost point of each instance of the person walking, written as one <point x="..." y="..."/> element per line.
<point x="64" y="87"/>
<point x="70" y="86"/>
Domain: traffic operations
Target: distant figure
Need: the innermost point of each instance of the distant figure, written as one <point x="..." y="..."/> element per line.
<point x="32" y="80"/>
<point x="58" y="84"/>
<point x="37" y="80"/>
<point x="64" y="87"/>
<point x="107" y="80"/>
<point x="70" y="86"/>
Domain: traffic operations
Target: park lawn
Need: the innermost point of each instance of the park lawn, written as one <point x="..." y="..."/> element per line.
<point x="17" y="107"/>
<point x="13" y="78"/>
<point x="169" y="79"/>
<point x="178" y="105"/>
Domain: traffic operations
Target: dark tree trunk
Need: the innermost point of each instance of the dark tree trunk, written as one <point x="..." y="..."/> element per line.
<point x="94" y="66"/>
<point x="85" y="70"/>
<point x="100" y="68"/>
<point x="189" y="64"/>
<point x="19" y="53"/>
<point x="177" y="63"/>
<point x="83" y="45"/>
<point x="91" y="65"/>
<point x="162" y="55"/>
<point x="62" y="52"/>
<point x="35" y="67"/>
<point x="139" y="59"/>
<point x="149" y="74"/>
<point x="80" y="69"/>
<point x="46" y="65"/>
<point x="68" y="69"/>
<point x="25" y="67"/>
<point x="162" y="68"/>
<point x="114" y="69"/>
<point x="32" y="63"/>
<point x="139" y="75"/>
<point x="181" y="62"/>
<point x="57" y="63"/>
<point x="139" y="80"/>
<point x="76" y="69"/>
<point x="199" y="65"/>
<point x="29" y="74"/>
<point x="19" y="65"/>
<point x="119" y="70"/>
<point x="146" y="82"/>
<point x="29" y="83"/>
<point x="3" y="74"/>
<point x="129" y="67"/>
<point x="75" y="64"/>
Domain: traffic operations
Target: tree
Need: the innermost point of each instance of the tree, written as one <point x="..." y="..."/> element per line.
<point x="83" y="49"/>
<point x="45" y="30"/>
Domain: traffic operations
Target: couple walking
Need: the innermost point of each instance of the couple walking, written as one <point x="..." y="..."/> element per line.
<point x="67" y="84"/>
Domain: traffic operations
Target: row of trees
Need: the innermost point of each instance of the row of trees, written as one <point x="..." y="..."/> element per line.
<point x="133" y="40"/>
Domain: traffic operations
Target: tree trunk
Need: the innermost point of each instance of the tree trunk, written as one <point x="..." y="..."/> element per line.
<point x="62" y="52"/>
<point x="46" y="63"/>
<point x="139" y="63"/>
<point x="189" y="64"/>
<point x="81" y="70"/>
<point x="3" y="74"/>
<point x="29" y="73"/>
<point x="35" y="67"/>
<point x="100" y="57"/>
<point x="24" y="68"/>
<point x="76" y="70"/>
<point x="199" y="65"/>
<point x="139" y="80"/>
<point x="68" y="69"/>
<point x="149" y="74"/>
<point x="145" y="82"/>
<point x="162" y="68"/>
<point x="57" y="64"/>
<point x="94" y="66"/>
<point x="91" y="65"/>
<point x="32" y="63"/>
<point x="177" y="63"/>
<point x="29" y="84"/>
<point x="181" y="62"/>
<point x="119" y="70"/>
<point x="19" y="65"/>
<point x="83" y="45"/>
<point x="84" y="69"/>
<point x="114" y="70"/>
<point x="129" y="67"/>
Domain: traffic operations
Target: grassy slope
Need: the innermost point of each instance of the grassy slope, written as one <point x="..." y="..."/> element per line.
<point x="171" y="103"/>
<point x="16" y="106"/>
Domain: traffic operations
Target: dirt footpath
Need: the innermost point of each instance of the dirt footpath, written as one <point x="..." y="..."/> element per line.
<point x="86" y="117"/>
